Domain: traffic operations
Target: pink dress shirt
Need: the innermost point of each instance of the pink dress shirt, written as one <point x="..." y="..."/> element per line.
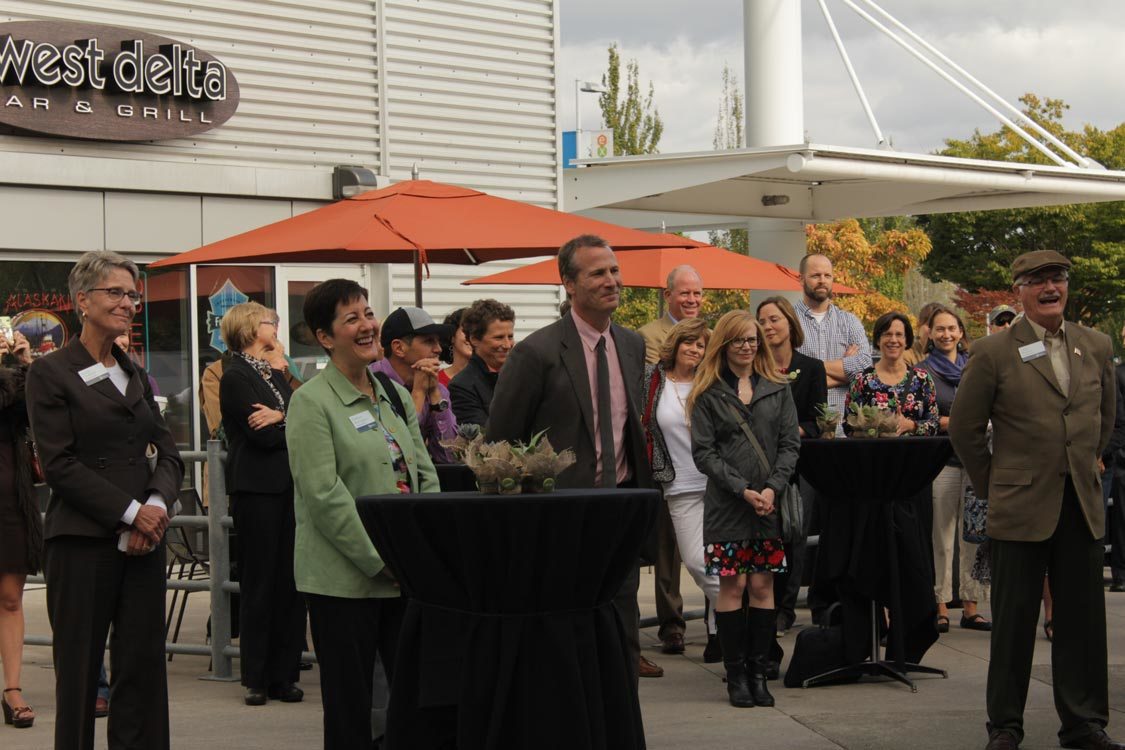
<point x="617" y="396"/>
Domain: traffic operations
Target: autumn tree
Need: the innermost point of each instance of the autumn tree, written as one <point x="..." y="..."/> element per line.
<point x="875" y="266"/>
<point x="975" y="249"/>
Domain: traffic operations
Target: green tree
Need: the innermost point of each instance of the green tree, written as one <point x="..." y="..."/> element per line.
<point x="975" y="249"/>
<point x="634" y="119"/>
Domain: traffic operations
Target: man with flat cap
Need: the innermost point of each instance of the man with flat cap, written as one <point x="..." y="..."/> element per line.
<point x="1048" y="388"/>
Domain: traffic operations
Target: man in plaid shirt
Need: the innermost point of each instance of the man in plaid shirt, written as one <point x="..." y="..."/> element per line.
<point x="832" y="335"/>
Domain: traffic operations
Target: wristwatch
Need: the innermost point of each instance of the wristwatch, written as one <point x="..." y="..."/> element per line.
<point x="440" y="406"/>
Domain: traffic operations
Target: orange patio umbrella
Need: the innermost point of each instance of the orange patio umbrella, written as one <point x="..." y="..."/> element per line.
<point x="420" y="221"/>
<point x="719" y="269"/>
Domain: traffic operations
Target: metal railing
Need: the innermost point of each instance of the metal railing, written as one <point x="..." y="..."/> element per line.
<point x="217" y="522"/>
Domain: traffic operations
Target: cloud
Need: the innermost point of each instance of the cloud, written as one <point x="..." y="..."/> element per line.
<point x="1071" y="53"/>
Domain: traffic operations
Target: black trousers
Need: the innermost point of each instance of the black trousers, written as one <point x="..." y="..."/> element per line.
<point x="91" y="585"/>
<point x="1072" y="558"/>
<point x="272" y="612"/>
<point x="625" y="602"/>
<point x="346" y="635"/>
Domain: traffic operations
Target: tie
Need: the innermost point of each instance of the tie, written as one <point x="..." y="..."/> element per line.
<point x="605" y="419"/>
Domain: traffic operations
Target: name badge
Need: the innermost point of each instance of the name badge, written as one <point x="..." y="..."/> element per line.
<point x="362" y="421"/>
<point x="1033" y="351"/>
<point x="95" y="373"/>
<point x="321" y="363"/>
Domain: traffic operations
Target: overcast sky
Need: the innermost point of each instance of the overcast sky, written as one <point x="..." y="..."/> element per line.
<point x="1074" y="51"/>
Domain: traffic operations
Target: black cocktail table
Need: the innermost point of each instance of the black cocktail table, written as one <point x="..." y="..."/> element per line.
<point x="869" y="483"/>
<point x="510" y="637"/>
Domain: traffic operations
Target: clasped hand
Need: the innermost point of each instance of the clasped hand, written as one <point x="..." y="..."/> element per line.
<point x="762" y="502"/>
<point x="148" y="529"/>
<point x="263" y="416"/>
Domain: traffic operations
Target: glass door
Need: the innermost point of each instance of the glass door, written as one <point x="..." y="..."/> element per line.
<point x="294" y="283"/>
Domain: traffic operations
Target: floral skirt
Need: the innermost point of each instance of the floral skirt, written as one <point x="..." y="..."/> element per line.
<point x="744" y="556"/>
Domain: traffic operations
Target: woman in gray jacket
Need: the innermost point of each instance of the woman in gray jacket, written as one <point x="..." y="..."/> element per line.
<point x="738" y="391"/>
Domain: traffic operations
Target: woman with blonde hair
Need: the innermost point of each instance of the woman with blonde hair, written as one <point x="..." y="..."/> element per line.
<point x="745" y="439"/>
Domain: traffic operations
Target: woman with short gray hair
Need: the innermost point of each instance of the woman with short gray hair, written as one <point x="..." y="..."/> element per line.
<point x="97" y="427"/>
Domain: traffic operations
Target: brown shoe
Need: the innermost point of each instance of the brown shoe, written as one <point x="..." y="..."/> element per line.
<point x="1002" y="741"/>
<point x="101" y="708"/>
<point x="673" y="643"/>
<point x="1097" y="741"/>
<point x="646" y="668"/>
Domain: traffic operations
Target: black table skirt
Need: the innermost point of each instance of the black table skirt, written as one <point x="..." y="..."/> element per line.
<point x="510" y="638"/>
<point x="860" y="477"/>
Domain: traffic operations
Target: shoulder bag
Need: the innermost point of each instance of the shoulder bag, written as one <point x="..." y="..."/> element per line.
<point x="788" y="502"/>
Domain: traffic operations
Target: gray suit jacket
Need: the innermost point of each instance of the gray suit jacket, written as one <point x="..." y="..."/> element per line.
<point x="544" y="386"/>
<point x="1040" y="434"/>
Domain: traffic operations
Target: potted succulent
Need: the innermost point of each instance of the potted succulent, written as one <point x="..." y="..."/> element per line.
<point x="827" y="419"/>
<point x="871" y="421"/>
<point x="542" y="464"/>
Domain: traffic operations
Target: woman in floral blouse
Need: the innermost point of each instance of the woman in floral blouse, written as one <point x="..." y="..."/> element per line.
<point x="892" y="385"/>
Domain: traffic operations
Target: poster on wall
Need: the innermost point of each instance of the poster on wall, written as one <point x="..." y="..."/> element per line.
<point x="37" y="301"/>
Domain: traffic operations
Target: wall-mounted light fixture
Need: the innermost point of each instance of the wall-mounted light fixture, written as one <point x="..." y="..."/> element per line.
<point x="775" y="200"/>
<point x="349" y="181"/>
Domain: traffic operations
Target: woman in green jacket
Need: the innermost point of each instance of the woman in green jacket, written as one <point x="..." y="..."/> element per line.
<point x="347" y="440"/>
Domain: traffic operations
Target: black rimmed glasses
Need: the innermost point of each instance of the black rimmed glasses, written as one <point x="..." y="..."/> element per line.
<point x="748" y="342"/>
<point x="115" y="293"/>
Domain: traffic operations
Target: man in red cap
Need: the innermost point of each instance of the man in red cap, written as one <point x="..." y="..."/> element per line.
<point x="1048" y="388"/>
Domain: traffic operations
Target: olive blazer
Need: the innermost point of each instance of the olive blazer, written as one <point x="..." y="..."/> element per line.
<point x="92" y="443"/>
<point x="1040" y="434"/>
<point x="333" y="463"/>
<point x="723" y="452"/>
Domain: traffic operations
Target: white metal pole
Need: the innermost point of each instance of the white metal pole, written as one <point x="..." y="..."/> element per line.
<point x="577" y="107"/>
<point x="852" y="74"/>
<point x="774" y="83"/>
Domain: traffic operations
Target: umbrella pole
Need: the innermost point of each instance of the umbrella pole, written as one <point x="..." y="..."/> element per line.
<point x="417" y="279"/>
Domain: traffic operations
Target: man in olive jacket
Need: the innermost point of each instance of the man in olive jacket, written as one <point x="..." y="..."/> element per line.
<point x="1047" y="386"/>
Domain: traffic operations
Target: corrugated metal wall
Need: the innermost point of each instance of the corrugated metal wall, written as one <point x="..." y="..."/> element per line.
<point x="307" y="73"/>
<point x="470" y="89"/>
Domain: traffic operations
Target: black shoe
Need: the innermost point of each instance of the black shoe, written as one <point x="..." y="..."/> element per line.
<point x="942" y="624"/>
<point x="976" y="622"/>
<point x="713" y="651"/>
<point x="1002" y="741"/>
<point x="1117" y="587"/>
<point x="760" y="624"/>
<point x="305" y="666"/>
<point x="673" y="643"/>
<point x="255" y="697"/>
<point x="1096" y="741"/>
<point x="287" y="693"/>
<point x="759" y="690"/>
<point x="732" y="631"/>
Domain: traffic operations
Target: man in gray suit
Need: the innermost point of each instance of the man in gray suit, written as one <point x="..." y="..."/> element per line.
<point x="564" y="377"/>
<point x="1048" y="388"/>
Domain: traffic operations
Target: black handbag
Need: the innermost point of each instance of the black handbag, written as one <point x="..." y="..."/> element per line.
<point x="817" y="650"/>
<point x="790" y="508"/>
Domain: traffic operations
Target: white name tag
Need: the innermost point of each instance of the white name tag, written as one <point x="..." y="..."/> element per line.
<point x="362" y="421"/>
<point x="321" y="363"/>
<point x="1033" y="351"/>
<point x="95" y="373"/>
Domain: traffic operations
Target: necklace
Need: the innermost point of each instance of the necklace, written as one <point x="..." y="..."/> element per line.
<point x="683" y="406"/>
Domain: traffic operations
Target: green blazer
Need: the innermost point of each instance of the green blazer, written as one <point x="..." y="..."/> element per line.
<point x="333" y="463"/>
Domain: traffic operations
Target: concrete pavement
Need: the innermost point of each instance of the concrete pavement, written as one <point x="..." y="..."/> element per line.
<point x="685" y="708"/>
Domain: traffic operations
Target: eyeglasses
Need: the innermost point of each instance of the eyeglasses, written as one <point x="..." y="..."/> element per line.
<point x="741" y="343"/>
<point x="1058" y="279"/>
<point x="115" y="293"/>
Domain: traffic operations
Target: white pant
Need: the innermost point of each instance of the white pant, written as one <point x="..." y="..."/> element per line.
<point x="949" y="505"/>
<point x="687" y="518"/>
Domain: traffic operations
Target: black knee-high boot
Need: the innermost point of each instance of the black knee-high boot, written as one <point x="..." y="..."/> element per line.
<point x="760" y="623"/>
<point x="732" y="635"/>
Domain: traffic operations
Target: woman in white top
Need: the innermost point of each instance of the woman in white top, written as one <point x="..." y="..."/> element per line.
<point x="668" y="435"/>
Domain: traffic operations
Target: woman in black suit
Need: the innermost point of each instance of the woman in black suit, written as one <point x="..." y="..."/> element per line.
<point x="809" y="385"/>
<point x="96" y="424"/>
<point x="489" y="326"/>
<point x="254" y="399"/>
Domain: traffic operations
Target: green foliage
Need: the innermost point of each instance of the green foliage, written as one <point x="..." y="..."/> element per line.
<point x="637" y="307"/>
<point x="975" y="249"/>
<point x="635" y="122"/>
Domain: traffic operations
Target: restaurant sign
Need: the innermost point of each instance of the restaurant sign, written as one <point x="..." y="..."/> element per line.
<point x="79" y="80"/>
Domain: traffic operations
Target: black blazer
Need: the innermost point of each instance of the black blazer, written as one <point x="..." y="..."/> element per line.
<point x="92" y="443"/>
<point x="470" y="392"/>
<point x="544" y="385"/>
<point x="810" y="389"/>
<point x="258" y="460"/>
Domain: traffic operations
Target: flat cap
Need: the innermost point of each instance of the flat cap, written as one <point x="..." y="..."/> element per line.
<point x="1037" y="259"/>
